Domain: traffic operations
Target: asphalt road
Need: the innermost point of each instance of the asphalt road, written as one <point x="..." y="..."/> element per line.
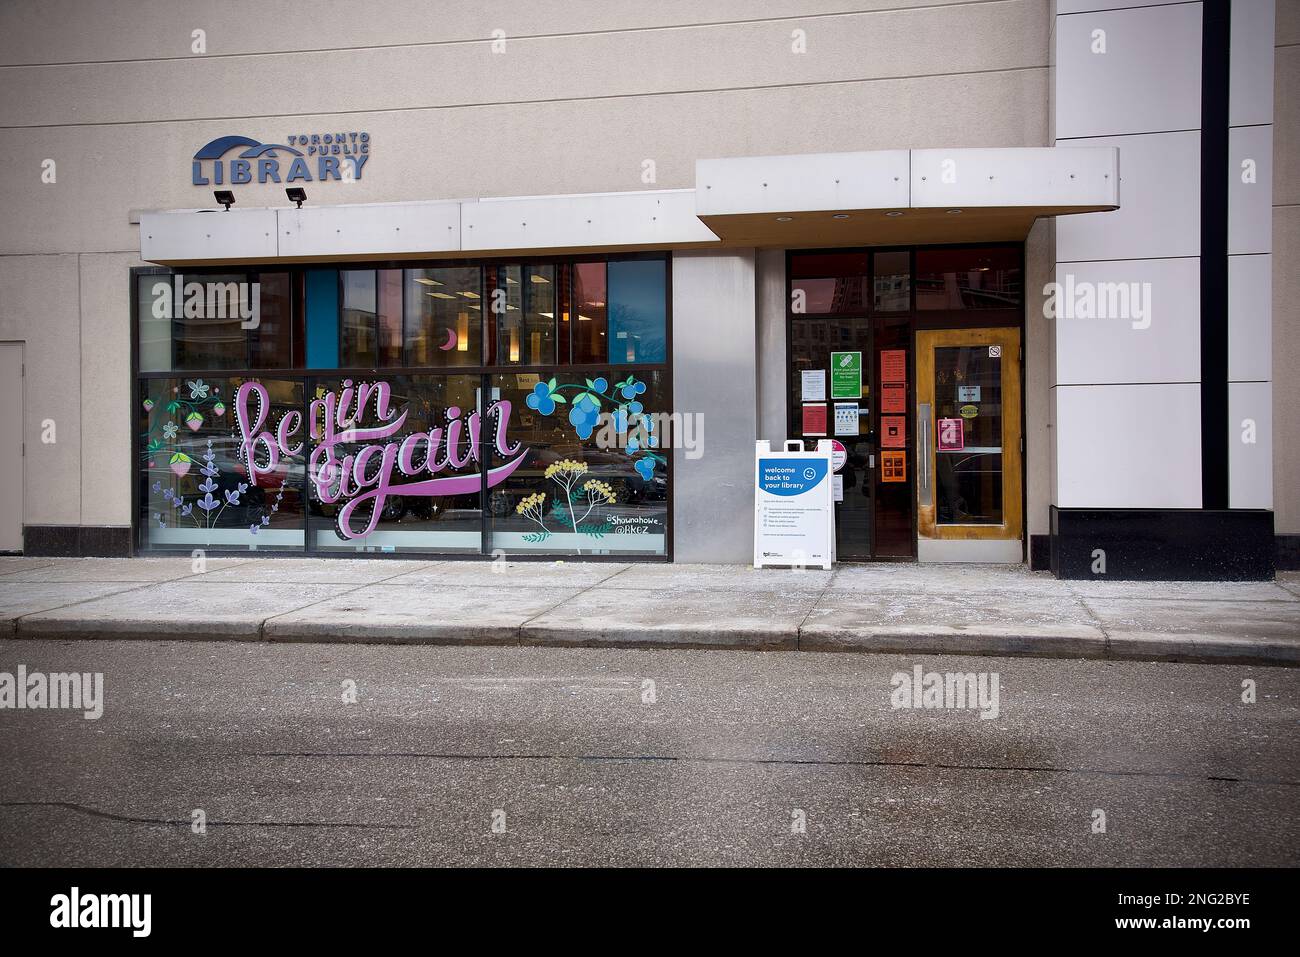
<point x="564" y="749"/>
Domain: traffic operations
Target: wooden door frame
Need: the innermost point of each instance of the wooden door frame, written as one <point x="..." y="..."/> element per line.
<point x="1009" y="337"/>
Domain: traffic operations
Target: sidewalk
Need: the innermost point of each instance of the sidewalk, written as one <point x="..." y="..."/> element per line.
<point x="922" y="609"/>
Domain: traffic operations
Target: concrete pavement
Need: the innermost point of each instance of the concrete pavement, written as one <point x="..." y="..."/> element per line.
<point x="640" y="757"/>
<point x="934" y="609"/>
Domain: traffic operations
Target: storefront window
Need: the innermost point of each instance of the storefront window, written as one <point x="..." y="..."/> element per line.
<point x="985" y="277"/>
<point x="828" y="283"/>
<point x="194" y="465"/>
<point x="453" y="460"/>
<point x="444" y="317"/>
<point x="587" y="328"/>
<point x="892" y="281"/>
<point x="590" y="473"/>
<point x="394" y="463"/>
<point x="521" y="310"/>
<point x="637" y="311"/>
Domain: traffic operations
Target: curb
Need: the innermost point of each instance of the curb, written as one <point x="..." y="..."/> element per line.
<point x="1039" y="642"/>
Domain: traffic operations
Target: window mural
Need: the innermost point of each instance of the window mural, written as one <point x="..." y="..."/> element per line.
<point x="467" y="409"/>
<point x="197" y="489"/>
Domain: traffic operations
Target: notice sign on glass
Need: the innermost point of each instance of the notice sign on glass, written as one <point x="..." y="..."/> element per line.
<point x="814" y="419"/>
<point x="893" y="398"/>
<point x="814" y="385"/>
<point x="893" y="466"/>
<point x="846" y="418"/>
<point x="893" y="365"/>
<point x="952" y="435"/>
<point x="893" y="431"/>
<point x="846" y="375"/>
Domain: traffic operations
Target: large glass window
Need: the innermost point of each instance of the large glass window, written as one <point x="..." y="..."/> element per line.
<point x="587" y="327"/>
<point x="637" y="311"/>
<point x="194" y="464"/>
<point x="588" y="473"/>
<point x="521" y="304"/>
<point x="394" y="464"/>
<point x="984" y="277"/>
<point x="828" y="283"/>
<point x="445" y="456"/>
<point x="444" y="316"/>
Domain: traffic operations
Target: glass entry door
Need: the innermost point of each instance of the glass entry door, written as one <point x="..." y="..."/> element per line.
<point x="969" y="494"/>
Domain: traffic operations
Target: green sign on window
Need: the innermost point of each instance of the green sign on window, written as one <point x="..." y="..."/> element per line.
<point x="846" y="375"/>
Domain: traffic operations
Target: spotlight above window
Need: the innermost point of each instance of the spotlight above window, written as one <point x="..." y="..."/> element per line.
<point x="840" y="216"/>
<point x="225" y="197"/>
<point x="297" y="195"/>
<point x="894" y="212"/>
<point x="785" y="219"/>
<point x="953" y="212"/>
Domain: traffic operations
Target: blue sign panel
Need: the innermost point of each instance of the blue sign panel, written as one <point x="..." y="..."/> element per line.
<point x="303" y="158"/>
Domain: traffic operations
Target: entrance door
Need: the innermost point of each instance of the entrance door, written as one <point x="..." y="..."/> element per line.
<point x="969" y="500"/>
<point x="11" y="446"/>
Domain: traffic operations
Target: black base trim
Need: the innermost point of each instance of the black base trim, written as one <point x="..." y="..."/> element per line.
<point x="1163" y="544"/>
<point x="1040" y="553"/>
<point x="77" y="541"/>
<point x="1288" y="553"/>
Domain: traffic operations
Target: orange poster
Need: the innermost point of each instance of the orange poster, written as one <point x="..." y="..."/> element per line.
<point x="893" y="431"/>
<point x="893" y="365"/>
<point x="893" y="398"/>
<point x="893" y="467"/>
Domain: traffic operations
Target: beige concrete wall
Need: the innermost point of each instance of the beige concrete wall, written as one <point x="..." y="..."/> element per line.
<point x="583" y="94"/>
<point x="1286" y="270"/>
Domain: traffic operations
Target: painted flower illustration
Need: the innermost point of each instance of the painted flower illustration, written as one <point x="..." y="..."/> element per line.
<point x="170" y="430"/>
<point x="645" y="467"/>
<point x="180" y="463"/>
<point x="195" y="421"/>
<point x="198" y="388"/>
<point x="584" y="415"/>
<point x="148" y="405"/>
<point x="219" y="408"/>
<point x="599" y="492"/>
<point x="541" y="399"/>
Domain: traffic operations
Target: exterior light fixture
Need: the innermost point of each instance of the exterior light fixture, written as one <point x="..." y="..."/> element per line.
<point x="894" y="212"/>
<point x="954" y="212"/>
<point x="225" y="197"/>
<point x="784" y="219"/>
<point x="297" y="195"/>
<point x="840" y="216"/>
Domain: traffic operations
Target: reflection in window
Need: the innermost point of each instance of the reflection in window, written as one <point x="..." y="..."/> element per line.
<point x="444" y="311"/>
<point x="360" y="343"/>
<point x="521" y="310"/>
<point x="637" y="311"/>
<point x="969" y="278"/>
<point x="892" y="282"/>
<point x="588" y="326"/>
<point x="206" y="328"/>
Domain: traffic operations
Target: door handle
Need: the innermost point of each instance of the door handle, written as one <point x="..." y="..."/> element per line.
<point x="924" y="496"/>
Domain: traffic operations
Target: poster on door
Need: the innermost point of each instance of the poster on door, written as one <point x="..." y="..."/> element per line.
<point x="952" y="435"/>
<point x="893" y="431"/>
<point x="893" y="466"/>
<point x="893" y="365"/>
